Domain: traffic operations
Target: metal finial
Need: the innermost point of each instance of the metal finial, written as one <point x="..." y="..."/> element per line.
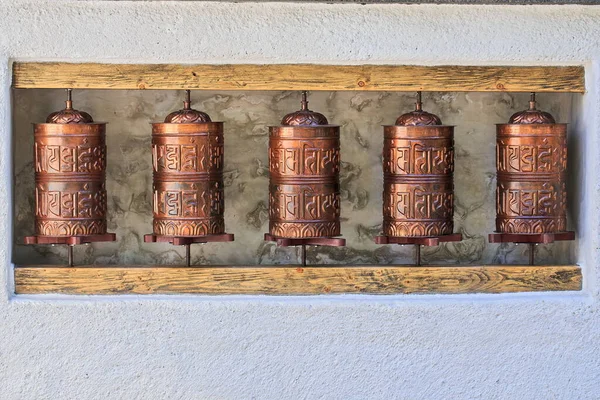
<point x="418" y="104"/>
<point x="187" y="102"/>
<point x="532" y="103"/>
<point x="304" y="101"/>
<point x="69" y="102"/>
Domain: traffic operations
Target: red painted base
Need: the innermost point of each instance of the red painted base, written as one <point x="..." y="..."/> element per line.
<point x="284" y="242"/>
<point x="530" y="237"/>
<point x="70" y="240"/>
<point x="419" y="240"/>
<point x="187" y="240"/>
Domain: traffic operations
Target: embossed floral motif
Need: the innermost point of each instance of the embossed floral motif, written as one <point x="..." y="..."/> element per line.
<point x="187" y="115"/>
<point x="418" y="118"/>
<point x="304" y="117"/>
<point x="532" y="117"/>
<point x="69" y="115"/>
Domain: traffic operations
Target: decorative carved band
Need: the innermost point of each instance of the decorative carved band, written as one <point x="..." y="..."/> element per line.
<point x="304" y="229"/>
<point x="304" y="194"/>
<point x="70" y="195"/>
<point x="188" y="179"/>
<point x="70" y="228"/>
<point x="415" y="228"/>
<point x="418" y="164"/>
<point x="531" y="192"/>
<point x="189" y="227"/>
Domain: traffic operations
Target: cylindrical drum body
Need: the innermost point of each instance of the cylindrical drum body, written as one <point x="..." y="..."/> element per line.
<point x="531" y="161"/>
<point x="70" y="169"/>
<point x="188" y="179"/>
<point x="418" y="165"/>
<point x="304" y="191"/>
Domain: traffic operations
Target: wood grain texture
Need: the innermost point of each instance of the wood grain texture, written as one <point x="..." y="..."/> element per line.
<point x="294" y="280"/>
<point x="299" y="77"/>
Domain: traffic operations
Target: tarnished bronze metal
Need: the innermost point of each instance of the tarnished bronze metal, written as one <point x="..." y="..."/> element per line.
<point x="187" y="158"/>
<point x="70" y="169"/>
<point x="418" y="165"/>
<point x="304" y="164"/>
<point x="531" y="161"/>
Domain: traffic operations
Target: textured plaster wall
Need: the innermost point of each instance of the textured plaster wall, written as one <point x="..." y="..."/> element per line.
<point x="247" y="116"/>
<point x="531" y="346"/>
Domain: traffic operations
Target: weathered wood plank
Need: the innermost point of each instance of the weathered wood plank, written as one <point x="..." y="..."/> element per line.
<point x="294" y="280"/>
<point x="299" y="77"/>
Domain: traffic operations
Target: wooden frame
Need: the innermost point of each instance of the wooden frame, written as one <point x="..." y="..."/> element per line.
<point x="247" y="77"/>
<point x="294" y="280"/>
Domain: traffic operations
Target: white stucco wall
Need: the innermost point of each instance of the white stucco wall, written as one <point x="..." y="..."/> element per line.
<point x="530" y="346"/>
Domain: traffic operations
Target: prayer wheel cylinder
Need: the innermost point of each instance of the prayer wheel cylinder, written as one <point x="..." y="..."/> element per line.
<point x="418" y="165"/>
<point x="70" y="170"/>
<point x="304" y="165"/>
<point x="531" y="161"/>
<point x="187" y="158"/>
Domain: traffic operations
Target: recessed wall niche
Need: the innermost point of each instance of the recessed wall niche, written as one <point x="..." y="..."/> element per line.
<point x="247" y="117"/>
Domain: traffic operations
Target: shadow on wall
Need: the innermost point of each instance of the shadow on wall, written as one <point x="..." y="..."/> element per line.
<point x="247" y="117"/>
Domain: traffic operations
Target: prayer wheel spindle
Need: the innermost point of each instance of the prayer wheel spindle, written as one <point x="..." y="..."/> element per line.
<point x="531" y="163"/>
<point x="418" y="166"/>
<point x="304" y="189"/>
<point x="70" y="174"/>
<point x="187" y="160"/>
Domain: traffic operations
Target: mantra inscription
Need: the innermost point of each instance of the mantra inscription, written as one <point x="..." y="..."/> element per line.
<point x="418" y="163"/>
<point x="70" y="194"/>
<point x="304" y="193"/>
<point x="188" y="179"/>
<point x="531" y="192"/>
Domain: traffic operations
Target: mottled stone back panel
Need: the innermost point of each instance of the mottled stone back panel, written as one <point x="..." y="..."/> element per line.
<point x="246" y="117"/>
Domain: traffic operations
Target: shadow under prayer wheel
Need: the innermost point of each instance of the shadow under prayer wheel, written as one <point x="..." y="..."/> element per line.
<point x="418" y="165"/>
<point x="187" y="158"/>
<point x="531" y="161"/>
<point x="70" y="171"/>
<point x="304" y="165"/>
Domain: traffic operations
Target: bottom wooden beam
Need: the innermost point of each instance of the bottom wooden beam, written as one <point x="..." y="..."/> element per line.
<point x="294" y="280"/>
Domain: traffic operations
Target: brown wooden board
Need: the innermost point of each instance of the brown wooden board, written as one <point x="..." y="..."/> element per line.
<point x="299" y="77"/>
<point x="294" y="280"/>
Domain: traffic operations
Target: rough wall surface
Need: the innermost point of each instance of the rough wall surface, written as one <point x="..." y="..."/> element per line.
<point x="247" y="116"/>
<point x="535" y="346"/>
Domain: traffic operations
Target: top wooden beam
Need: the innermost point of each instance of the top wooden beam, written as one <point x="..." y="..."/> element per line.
<point x="247" y="77"/>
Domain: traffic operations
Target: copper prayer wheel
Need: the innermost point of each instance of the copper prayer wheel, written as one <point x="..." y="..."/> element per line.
<point x="187" y="158"/>
<point x="531" y="161"/>
<point x="304" y="165"/>
<point x="70" y="169"/>
<point x="418" y="165"/>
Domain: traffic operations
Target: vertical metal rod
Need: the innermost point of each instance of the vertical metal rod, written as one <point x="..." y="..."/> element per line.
<point x="70" y="255"/>
<point x="303" y="255"/>
<point x="304" y="101"/>
<point x="187" y="255"/>
<point x="418" y="254"/>
<point x="531" y="253"/>
<point x="187" y="102"/>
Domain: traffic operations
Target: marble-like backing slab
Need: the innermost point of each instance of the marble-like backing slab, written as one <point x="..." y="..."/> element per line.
<point x="247" y="117"/>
